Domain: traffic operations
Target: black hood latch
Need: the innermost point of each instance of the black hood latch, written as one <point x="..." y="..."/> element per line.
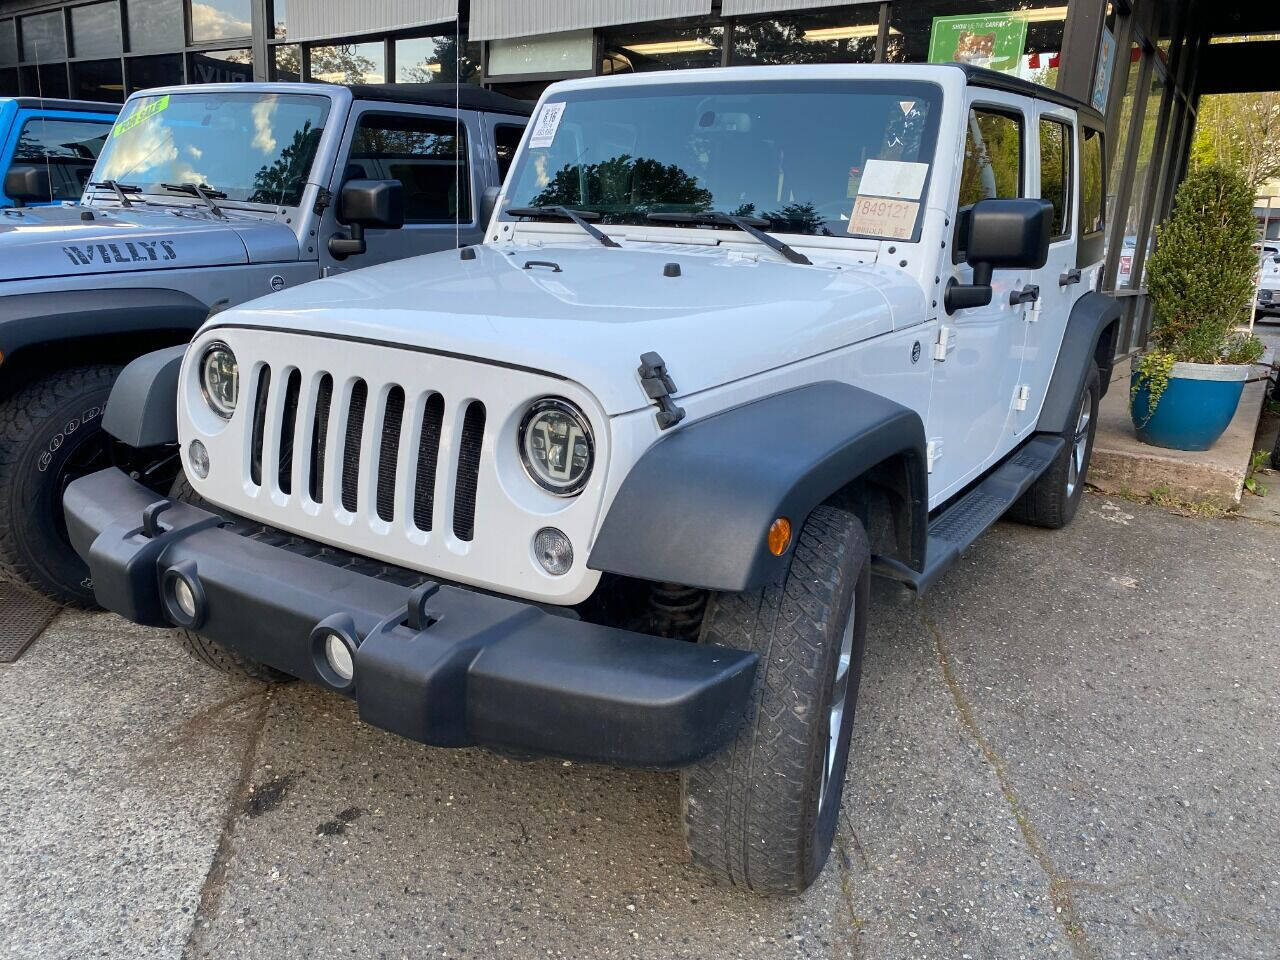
<point x="659" y="387"/>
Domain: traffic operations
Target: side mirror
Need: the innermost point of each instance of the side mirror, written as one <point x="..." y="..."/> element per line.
<point x="1000" y="235"/>
<point x="376" y="204"/>
<point x="26" y="183"/>
<point x="488" y="203"/>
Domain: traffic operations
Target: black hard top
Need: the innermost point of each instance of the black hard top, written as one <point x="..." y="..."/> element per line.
<point x="994" y="80"/>
<point x="48" y="103"/>
<point x="465" y="95"/>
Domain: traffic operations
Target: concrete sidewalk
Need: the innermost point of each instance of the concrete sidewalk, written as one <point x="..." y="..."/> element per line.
<point x="1068" y="749"/>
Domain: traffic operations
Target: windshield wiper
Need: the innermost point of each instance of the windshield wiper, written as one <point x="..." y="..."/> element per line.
<point x="580" y="217"/>
<point x="121" y="189"/>
<point x="749" y="225"/>
<point x="205" y="193"/>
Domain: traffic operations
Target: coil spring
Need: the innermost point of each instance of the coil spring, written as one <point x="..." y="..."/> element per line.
<point x="676" y="611"/>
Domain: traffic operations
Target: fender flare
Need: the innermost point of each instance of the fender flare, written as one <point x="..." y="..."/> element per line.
<point x="697" y="506"/>
<point x="1092" y="314"/>
<point x="142" y="410"/>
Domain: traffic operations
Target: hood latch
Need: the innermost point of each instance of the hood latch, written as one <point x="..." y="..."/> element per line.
<point x="659" y="387"/>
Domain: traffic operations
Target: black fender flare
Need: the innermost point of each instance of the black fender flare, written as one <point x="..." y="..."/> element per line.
<point x="697" y="506"/>
<point x="142" y="410"/>
<point x="1092" y="314"/>
<point x="40" y="319"/>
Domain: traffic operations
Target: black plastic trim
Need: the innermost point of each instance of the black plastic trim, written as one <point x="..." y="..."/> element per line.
<point x="697" y="507"/>
<point x="1090" y="316"/>
<point x="143" y="408"/>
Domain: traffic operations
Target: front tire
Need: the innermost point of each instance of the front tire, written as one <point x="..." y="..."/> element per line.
<point x="763" y="811"/>
<point x="50" y="434"/>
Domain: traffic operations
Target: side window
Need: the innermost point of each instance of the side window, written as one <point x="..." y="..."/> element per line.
<point x="1093" y="192"/>
<point x="1055" y="173"/>
<point x="426" y="154"/>
<point x="993" y="164"/>
<point x="69" y="149"/>
<point x="506" y="138"/>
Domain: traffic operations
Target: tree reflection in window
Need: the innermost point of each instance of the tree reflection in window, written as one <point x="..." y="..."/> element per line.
<point x="624" y="188"/>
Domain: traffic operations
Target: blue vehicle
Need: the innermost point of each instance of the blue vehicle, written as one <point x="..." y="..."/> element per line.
<point x="48" y="148"/>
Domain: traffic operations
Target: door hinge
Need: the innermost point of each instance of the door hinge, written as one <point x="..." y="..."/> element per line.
<point x="658" y="387"/>
<point x="323" y="198"/>
<point x="933" y="453"/>
<point x="1022" y="397"/>
<point x="945" y="343"/>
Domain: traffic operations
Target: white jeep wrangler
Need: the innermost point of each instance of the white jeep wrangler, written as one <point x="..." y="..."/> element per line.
<point x="612" y="485"/>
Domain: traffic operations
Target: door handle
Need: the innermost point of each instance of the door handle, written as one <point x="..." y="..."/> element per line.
<point x="1068" y="278"/>
<point x="1028" y="294"/>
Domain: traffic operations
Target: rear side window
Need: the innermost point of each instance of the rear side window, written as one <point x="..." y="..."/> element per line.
<point x="1055" y="173"/>
<point x="993" y="164"/>
<point x="67" y="147"/>
<point x="506" y="138"/>
<point x="426" y="154"/>
<point x="1093" y="192"/>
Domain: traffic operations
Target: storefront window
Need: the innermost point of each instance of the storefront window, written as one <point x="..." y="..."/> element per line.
<point x="95" y="30"/>
<point x="286" y="62"/>
<point x="9" y="82"/>
<point x="98" y="80"/>
<point x="221" y="20"/>
<point x="424" y="59"/>
<point x="155" y="26"/>
<point x="222" y="66"/>
<point x="8" y="43"/>
<point x="279" y="18"/>
<point x="1021" y="37"/>
<point x="640" y="49"/>
<point x="43" y="38"/>
<point x="1147" y="170"/>
<point x="552" y="53"/>
<point x="844" y="35"/>
<point x="146" y="72"/>
<point x="349" y="63"/>
<point x="46" y="80"/>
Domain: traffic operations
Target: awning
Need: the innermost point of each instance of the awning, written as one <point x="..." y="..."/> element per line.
<point x="503" y="19"/>
<point x="737" y="8"/>
<point x="327" y="19"/>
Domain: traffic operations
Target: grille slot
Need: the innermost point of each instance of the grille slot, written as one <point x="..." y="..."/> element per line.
<point x="261" y="394"/>
<point x="351" y="450"/>
<point x="469" y="447"/>
<point x="392" y="418"/>
<point x="424" y="491"/>
<point x="291" y="388"/>
<point x="319" y="437"/>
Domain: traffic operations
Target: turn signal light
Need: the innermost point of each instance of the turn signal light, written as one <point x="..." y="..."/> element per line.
<point x="779" y="536"/>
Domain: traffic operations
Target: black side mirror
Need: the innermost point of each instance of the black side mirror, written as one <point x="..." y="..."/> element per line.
<point x="1000" y="235"/>
<point x="376" y="204"/>
<point x="26" y="183"/>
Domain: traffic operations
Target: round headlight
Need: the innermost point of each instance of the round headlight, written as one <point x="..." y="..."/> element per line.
<point x="220" y="379"/>
<point x="556" y="446"/>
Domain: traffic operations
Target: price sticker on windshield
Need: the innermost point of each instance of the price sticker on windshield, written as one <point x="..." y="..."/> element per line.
<point x="884" y="217"/>
<point x="148" y="109"/>
<point x="545" y="127"/>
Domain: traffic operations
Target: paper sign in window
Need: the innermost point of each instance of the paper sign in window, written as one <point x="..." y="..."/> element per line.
<point x="545" y="127"/>
<point x="894" y="178"/>
<point x="885" y="217"/>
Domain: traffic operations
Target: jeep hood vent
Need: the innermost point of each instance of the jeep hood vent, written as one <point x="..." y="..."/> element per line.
<point x="587" y="313"/>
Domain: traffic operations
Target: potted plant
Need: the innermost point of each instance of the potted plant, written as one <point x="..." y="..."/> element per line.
<point x="1201" y="279"/>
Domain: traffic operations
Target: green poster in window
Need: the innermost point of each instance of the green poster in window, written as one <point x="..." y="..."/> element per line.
<point x="992" y="40"/>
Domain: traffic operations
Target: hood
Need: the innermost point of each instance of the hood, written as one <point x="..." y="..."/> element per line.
<point x="37" y="242"/>
<point x="588" y="313"/>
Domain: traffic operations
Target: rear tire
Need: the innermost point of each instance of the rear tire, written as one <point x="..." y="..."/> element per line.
<point x="1053" y="500"/>
<point x="763" y="811"/>
<point x="50" y="434"/>
<point x="210" y="652"/>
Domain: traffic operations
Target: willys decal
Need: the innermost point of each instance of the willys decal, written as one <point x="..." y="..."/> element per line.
<point x="131" y="251"/>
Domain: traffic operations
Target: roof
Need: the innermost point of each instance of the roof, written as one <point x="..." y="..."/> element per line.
<point x="464" y="95"/>
<point x="84" y="106"/>
<point x="993" y="80"/>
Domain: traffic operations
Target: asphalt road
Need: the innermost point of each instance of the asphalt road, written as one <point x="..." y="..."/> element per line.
<point x="1068" y="749"/>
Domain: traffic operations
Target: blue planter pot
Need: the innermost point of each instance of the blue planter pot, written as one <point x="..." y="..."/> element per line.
<point x="1194" y="409"/>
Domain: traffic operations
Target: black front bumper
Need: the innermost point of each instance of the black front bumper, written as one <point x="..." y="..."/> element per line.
<point x="437" y="663"/>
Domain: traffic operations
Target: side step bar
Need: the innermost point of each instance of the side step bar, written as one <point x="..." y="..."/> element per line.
<point x="953" y="530"/>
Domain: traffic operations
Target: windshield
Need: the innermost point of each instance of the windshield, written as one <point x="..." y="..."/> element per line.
<point x="842" y="158"/>
<point x="251" y="147"/>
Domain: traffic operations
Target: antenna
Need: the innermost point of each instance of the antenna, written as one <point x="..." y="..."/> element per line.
<point x="458" y="145"/>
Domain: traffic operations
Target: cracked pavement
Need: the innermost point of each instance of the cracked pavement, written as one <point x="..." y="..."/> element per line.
<point x="1068" y="748"/>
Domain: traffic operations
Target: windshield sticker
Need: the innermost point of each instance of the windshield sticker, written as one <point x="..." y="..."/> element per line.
<point x="144" y="112"/>
<point x="131" y="251"/>
<point x="894" y="178"/>
<point x="548" y="122"/>
<point x="884" y="217"/>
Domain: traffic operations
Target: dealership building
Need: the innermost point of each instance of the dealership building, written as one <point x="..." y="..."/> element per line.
<point x="1144" y="63"/>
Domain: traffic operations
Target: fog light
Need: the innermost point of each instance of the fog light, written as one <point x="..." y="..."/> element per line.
<point x="183" y="595"/>
<point x="338" y="655"/>
<point x="185" y="599"/>
<point x="553" y="550"/>
<point x="199" y="459"/>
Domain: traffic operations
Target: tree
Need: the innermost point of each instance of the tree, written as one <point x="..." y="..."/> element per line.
<point x="1241" y="131"/>
<point x="282" y="180"/>
<point x="444" y="64"/>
